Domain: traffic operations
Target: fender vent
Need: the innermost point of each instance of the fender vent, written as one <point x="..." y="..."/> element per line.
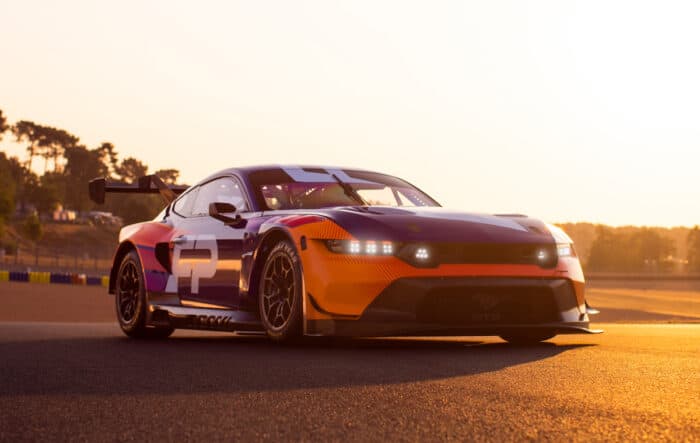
<point x="163" y="255"/>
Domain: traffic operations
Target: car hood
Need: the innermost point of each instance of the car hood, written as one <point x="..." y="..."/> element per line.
<point x="430" y="224"/>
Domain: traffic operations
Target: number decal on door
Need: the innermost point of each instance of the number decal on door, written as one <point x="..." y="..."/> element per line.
<point x="195" y="257"/>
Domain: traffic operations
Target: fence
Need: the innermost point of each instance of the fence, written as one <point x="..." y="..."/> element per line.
<point x="47" y="259"/>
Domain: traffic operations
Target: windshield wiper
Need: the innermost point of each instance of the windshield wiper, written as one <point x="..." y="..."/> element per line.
<point x="350" y="191"/>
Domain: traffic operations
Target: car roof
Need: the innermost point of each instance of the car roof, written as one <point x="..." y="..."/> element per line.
<point x="246" y="170"/>
<point x="244" y="173"/>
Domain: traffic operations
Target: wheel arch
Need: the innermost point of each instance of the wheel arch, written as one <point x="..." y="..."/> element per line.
<point x="269" y="239"/>
<point x="124" y="248"/>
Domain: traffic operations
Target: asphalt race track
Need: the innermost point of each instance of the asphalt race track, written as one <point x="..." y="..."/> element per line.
<point x="85" y="381"/>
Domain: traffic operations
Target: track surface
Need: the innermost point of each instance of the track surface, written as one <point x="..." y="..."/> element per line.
<point x="85" y="381"/>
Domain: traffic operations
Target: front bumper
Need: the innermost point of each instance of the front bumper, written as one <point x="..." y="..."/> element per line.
<point x="464" y="306"/>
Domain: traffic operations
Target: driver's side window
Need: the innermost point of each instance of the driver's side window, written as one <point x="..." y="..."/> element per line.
<point x="221" y="190"/>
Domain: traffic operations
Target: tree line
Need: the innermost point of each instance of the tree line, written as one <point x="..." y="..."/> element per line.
<point x="68" y="166"/>
<point x="636" y="249"/>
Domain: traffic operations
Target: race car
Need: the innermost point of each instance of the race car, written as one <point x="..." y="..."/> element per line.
<point x="293" y="251"/>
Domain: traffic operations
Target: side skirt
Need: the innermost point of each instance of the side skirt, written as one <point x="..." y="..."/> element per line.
<point x="181" y="317"/>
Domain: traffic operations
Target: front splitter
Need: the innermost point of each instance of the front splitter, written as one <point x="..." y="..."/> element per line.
<point x="363" y="328"/>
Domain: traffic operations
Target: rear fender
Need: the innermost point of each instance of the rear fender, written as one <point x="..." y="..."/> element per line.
<point x="124" y="248"/>
<point x="143" y="238"/>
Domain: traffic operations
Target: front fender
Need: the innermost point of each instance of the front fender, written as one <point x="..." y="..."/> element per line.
<point x="252" y="262"/>
<point x="298" y="229"/>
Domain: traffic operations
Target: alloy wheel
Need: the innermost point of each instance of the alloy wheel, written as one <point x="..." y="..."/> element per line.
<point x="278" y="291"/>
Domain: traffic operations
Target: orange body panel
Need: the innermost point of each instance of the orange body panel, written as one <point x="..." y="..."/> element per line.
<point x="345" y="285"/>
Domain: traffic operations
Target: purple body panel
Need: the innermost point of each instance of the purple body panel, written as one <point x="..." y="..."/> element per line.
<point x="434" y="225"/>
<point x="156" y="280"/>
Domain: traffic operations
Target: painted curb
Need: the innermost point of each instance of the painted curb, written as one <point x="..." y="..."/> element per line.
<point x="54" y="277"/>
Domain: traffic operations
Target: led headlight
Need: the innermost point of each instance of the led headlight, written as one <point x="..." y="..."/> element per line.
<point x="422" y="254"/>
<point x="565" y="250"/>
<point x="357" y="247"/>
<point x="387" y="248"/>
<point x="371" y="247"/>
<point x="565" y="246"/>
<point x="546" y="256"/>
<point x="419" y="255"/>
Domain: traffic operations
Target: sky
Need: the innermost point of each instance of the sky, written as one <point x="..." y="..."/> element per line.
<point x="567" y="111"/>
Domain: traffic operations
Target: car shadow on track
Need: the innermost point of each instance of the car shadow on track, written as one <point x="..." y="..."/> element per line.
<point x="107" y="365"/>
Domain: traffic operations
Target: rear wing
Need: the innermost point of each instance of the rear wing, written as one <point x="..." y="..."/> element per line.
<point x="148" y="184"/>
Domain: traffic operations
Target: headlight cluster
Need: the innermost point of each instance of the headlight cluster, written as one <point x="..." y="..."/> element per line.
<point x="357" y="247"/>
<point x="545" y="256"/>
<point x="565" y="246"/>
<point x="423" y="255"/>
<point x="417" y="254"/>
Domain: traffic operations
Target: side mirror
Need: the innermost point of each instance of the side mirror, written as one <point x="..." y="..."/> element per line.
<point x="218" y="209"/>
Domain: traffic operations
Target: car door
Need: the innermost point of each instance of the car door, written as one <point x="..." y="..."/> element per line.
<point x="206" y="258"/>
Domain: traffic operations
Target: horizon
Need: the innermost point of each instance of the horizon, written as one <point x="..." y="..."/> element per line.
<point x="36" y="169"/>
<point x="555" y="110"/>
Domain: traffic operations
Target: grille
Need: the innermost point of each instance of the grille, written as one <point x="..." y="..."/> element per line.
<point x="497" y="254"/>
<point x="488" y="305"/>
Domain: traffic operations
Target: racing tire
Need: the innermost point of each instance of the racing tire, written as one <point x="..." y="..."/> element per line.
<point x="130" y="301"/>
<point x="527" y="337"/>
<point x="280" y="294"/>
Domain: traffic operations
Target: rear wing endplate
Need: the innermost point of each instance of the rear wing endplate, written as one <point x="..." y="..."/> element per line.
<point x="148" y="184"/>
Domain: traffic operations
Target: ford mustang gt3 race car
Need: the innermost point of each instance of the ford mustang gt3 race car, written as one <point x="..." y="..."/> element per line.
<point x="294" y="251"/>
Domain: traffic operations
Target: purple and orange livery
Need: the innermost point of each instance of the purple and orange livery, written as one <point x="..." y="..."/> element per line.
<point x="294" y="251"/>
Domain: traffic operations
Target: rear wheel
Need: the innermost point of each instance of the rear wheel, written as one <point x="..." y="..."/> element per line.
<point x="130" y="301"/>
<point x="280" y="292"/>
<point x="527" y="337"/>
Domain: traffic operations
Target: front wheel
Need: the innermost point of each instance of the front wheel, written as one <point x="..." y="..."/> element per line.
<point x="279" y="296"/>
<point x="130" y="300"/>
<point x="527" y="337"/>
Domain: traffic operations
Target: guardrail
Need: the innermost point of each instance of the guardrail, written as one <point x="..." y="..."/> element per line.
<point x="54" y="277"/>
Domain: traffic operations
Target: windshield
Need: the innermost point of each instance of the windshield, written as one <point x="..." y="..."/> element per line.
<point x="299" y="188"/>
